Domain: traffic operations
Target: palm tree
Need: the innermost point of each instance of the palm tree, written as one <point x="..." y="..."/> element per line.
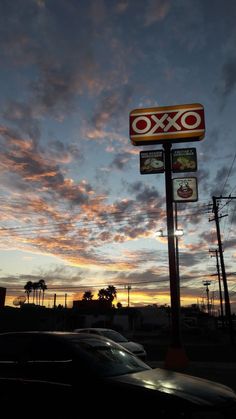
<point x="108" y="293"/>
<point x="35" y="287"/>
<point x="88" y="296"/>
<point x="42" y="287"/>
<point x="111" y="292"/>
<point x="102" y="294"/>
<point x="28" y="288"/>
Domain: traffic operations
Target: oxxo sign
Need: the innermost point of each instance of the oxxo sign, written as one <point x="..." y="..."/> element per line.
<point x="175" y="123"/>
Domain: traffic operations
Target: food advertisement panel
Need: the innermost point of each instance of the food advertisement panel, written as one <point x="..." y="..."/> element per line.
<point x="184" y="160"/>
<point x="151" y="161"/>
<point x="185" y="189"/>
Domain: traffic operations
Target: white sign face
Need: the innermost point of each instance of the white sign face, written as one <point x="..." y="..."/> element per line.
<point x="169" y="123"/>
<point x="185" y="189"/>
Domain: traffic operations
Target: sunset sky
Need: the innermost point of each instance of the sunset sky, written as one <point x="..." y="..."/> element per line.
<point x="74" y="208"/>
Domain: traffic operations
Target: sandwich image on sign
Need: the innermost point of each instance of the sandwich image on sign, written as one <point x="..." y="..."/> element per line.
<point x="151" y="162"/>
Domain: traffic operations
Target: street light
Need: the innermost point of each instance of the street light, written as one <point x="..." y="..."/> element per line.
<point x="177" y="233"/>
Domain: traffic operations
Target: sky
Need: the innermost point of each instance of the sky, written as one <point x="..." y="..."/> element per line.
<point x="74" y="208"/>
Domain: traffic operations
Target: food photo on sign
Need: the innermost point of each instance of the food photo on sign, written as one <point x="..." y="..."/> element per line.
<point x="151" y="162"/>
<point x="185" y="189"/>
<point x="184" y="160"/>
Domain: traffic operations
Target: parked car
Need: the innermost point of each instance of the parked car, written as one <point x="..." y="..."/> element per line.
<point x="63" y="373"/>
<point x="134" y="347"/>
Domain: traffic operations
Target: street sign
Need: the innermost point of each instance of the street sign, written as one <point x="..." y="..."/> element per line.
<point x="181" y="123"/>
<point x="185" y="189"/>
<point x="184" y="160"/>
<point x="151" y="161"/>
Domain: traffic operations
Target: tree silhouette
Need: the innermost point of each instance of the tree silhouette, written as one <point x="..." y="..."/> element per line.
<point x="108" y="293"/>
<point x="111" y="291"/>
<point x="28" y="288"/>
<point x="35" y="291"/>
<point x="87" y="296"/>
<point x="102" y="294"/>
<point x="42" y="288"/>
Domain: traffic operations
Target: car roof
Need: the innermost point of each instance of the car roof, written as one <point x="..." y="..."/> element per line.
<point x="99" y="329"/>
<point x="50" y="333"/>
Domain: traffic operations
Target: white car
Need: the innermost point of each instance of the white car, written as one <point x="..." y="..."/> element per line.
<point x="136" y="348"/>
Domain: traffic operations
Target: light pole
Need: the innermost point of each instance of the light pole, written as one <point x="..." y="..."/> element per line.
<point x="128" y="289"/>
<point x="207" y="283"/>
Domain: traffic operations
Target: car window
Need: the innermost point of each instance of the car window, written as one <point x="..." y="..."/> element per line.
<point x="112" y="334"/>
<point x="45" y="348"/>
<point x="108" y="358"/>
<point x="14" y="347"/>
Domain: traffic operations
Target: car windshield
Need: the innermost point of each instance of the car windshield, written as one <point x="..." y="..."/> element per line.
<point x="107" y="358"/>
<point x="113" y="335"/>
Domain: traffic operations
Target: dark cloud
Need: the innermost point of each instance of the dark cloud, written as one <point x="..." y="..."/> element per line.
<point x="135" y="187"/>
<point x="112" y="107"/>
<point x="143" y="192"/>
<point x="150" y="275"/>
<point x="148" y="193"/>
<point x="23" y="158"/>
<point x="51" y="41"/>
<point x="188" y="259"/>
<point x="228" y="77"/>
<point x="22" y="116"/>
<point x="120" y="161"/>
<point x="55" y="89"/>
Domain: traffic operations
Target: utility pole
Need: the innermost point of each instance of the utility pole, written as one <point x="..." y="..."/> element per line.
<point x="207" y="283"/>
<point x="54" y="300"/>
<point x="128" y="289"/>
<point x="224" y="278"/>
<point x="219" y="280"/>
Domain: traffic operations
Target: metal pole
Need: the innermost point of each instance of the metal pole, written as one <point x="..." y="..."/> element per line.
<point x="208" y="300"/>
<point x="129" y="287"/>
<point x="220" y="290"/>
<point x="176" y="241"/>
<point x="176" y="356"/>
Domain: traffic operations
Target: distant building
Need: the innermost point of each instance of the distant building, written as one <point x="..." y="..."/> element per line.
<point x="92" y="305"/>
<point x="2" y="296"/>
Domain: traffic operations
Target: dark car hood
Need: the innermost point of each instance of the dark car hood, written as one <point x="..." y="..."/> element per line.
<point x="189" y="388"/>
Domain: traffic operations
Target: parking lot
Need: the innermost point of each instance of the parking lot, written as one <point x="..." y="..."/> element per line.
<point x="213" y="358"/>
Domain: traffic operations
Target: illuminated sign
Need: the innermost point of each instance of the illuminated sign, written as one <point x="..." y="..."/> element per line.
<point x="151" y="161"/>
<point x="169" y="123"/>
<point x="184" y="160"/>
<point x="185" y="189"/>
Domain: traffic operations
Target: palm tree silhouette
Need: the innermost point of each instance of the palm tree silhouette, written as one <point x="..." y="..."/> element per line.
<point x="108" y="293"/>
<point x="28" y="288"/>
<point x="88" y="296"/>
<point x="42" y="288"/>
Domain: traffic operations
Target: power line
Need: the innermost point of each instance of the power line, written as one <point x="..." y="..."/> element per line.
<point x="229" y="172"/>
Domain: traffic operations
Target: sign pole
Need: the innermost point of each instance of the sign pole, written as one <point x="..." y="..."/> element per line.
<point x="176" y="357"/>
